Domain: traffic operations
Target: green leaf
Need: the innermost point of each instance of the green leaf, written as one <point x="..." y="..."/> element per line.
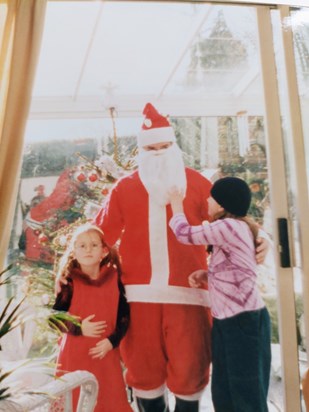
<point x="4" y="395"/>
<point x="6" y="269"/>
<point x="12" y="320"/>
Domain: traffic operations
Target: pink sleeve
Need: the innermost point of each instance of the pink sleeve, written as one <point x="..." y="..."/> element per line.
<point x="209" y="234"/>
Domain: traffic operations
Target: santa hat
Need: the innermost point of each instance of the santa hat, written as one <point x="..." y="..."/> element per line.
<point x="155" y="129"/>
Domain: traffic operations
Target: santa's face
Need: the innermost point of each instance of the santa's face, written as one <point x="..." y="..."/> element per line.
<point x="157" y="148"/>
<point x="160" y="168"/>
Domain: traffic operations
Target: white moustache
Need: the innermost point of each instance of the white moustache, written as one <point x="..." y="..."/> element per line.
<point x="160" y="170"/>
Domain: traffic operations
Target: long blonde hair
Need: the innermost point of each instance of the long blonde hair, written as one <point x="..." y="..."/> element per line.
<point x="254" y="227"/>
<point x="68" y="262"/>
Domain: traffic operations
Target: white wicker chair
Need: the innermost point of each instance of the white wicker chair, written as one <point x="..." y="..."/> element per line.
<point x="44" y="396"/>
<point x="35" y="390"/>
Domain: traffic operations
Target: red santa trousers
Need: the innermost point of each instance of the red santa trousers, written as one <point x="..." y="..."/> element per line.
<point x="168" y="344"/>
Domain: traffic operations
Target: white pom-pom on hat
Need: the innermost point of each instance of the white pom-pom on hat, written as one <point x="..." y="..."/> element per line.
<point x="148" y="123"/>
<point x="155" y="129"/>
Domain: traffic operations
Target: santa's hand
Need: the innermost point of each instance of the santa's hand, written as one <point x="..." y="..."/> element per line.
<point x="93" y="329"/>
<point x="198" y="278"/>
<point x="261" y="249"/>
<point x="101" y="349"/>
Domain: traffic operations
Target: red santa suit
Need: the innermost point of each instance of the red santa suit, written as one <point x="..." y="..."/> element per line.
<point x="168" y="341"/>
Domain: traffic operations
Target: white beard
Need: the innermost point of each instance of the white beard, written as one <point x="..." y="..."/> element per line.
<point x="160" y="170"/>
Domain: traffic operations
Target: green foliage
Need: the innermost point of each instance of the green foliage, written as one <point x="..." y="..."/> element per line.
<point x="38" y="287"/>
<point x="8" y="321"/>
<point x="51" y="158"/>
<point x="4" y="281"/>
<point x="39" y="283"/>
<point x="91" y="178"/>
<point x="271" y="303"/>
<point x="57" y="321"/>
<point x="232" y="169"/>
<point x="9" y="316"/>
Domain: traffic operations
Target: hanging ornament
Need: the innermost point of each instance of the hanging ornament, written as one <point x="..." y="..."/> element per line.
<point x="43" y="238"/>
<point x="80" y="176"/>
<point x="93" y="177"/>
<point x="104" y="191"/>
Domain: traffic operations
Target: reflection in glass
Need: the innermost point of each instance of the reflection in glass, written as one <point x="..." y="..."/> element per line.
<point x="198" y="62"/>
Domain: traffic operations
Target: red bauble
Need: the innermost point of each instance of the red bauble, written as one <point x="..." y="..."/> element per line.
<point x="81" y="177"/>
<point x="93" y="177"/>
<point x="104" y="191"/>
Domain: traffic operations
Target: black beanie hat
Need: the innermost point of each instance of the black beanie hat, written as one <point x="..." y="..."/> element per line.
<point x="233" y="194"/>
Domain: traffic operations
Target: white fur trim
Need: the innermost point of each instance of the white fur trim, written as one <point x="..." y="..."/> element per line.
<point x="153" y="393"/>
<point x="194" y="397"/>
<point x="156" y="135"/>
<point x="168" y="294"/>
<point x="33" y="224"/>
<point x="158" y="244"/>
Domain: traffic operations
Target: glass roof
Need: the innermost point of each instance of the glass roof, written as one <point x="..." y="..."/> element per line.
<point x="188" y="59"/>
<point x="123" y="51"/>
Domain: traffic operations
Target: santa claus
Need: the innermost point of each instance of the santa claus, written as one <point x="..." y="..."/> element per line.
<point x="168" y="341"/>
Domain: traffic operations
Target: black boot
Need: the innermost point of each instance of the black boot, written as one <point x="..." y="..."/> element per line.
<point x="186" y="406"/>
<point x="152" y="405"/>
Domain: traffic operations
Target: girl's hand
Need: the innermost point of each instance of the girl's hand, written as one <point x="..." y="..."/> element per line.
<point x="176" y="198"/>
<point x="93" y="329"/>
<point x="101" y="349"/>
<point x="198" y="278"/>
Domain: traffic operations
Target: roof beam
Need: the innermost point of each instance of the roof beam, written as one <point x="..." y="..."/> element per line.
<point x="85" y="60"/>
<point x="88" y="107"/>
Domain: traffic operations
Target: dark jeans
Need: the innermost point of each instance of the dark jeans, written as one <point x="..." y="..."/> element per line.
<point x="241" y="356"/>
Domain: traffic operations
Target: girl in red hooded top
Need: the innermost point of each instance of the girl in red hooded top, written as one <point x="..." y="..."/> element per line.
<point x="94" y="293"/>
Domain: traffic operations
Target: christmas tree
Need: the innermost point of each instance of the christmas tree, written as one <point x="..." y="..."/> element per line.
<point x="79" y="193"/>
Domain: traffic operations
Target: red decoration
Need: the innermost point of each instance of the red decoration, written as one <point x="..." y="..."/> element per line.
<point x="43" y="238"/>
<point x="93" y="177"/>
<point x="81" y="177"/>
<point x="62" y="198"/>
<point x="104" y="191"/>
